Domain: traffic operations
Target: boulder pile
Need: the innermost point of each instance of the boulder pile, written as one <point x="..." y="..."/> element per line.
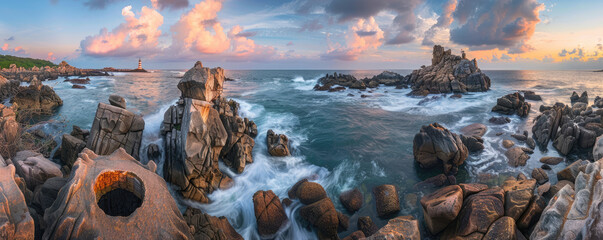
<point x="435" y="145"/>
<point x="511" y="104"/>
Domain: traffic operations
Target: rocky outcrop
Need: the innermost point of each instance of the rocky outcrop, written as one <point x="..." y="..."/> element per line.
<point x="328" y="82"/>
<point x="352" y="200"/>
<point x="441" y="207"/>
<point x="8" y="88"/>
<point x="10" y="131"/>
<point x="114" y="128"/>
<point x="403" y="227"/>
<point x="102" y="187"/>
<point x="47" y="73"/>
<point x="583" y="98"/>
<point x="118" y="101"/>
<point x="447" y="74"/>
<point x="202" y="83"/>
<point x="598" y="148"/>
<point x="240" y="131"/>
<point x="269" y="213"/>
<point x="517" y="157"/>
<point x="512" y="104"/>
<point x="386" y="200"/>
<point x="15" y="220"/>
<point x="37" y="98"/>
<point x="35" y="168"/>
<point x="70" y="149"/>
<point x="435" y="145"/>
<point x="204" y="226"/>
<point x="278" y="144"/>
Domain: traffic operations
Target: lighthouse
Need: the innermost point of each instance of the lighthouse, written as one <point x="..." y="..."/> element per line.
<point x="139" y="64"/>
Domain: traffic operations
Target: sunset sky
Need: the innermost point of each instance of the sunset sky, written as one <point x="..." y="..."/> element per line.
<point x="304" y="34"/>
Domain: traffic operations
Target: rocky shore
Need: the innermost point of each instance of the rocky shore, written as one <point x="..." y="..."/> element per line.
<point x="47" y="73"/>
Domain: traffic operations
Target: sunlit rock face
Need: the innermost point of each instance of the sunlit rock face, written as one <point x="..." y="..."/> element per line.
<point x="202" y="83"/>
<point x="8" y="88"/>
<point x="37" y="98"/>
<point x="15" y="220"/>
<point x="114" y="197"/>
<point x="9" y="131"/>
<point x="114" y="128"/>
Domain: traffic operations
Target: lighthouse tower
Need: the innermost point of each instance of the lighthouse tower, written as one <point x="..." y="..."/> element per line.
<point x="139" y="64"/>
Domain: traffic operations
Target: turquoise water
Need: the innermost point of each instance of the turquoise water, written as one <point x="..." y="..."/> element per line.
<point x="341" y="141"/>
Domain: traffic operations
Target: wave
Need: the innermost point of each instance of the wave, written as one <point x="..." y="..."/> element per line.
<point x="302" y="84"/>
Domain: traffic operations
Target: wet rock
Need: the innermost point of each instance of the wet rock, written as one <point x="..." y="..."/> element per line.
<point x="508" y="143"/>
<point x="546" y="167"/>
<point x="472" y="188"/>
<point x="352" y="200"/>
<point x="571" y="172"/>
<point x="366" y="225"/>
<point x="269" y="213"/>
<point x="476" y="129"/>
<point x="531" y="143"/>
<point x="435" y="145"/>
<point x="153" y="153"/>
<point x="402" y="227"/>
<point x="519" y="137"/>
<point x="501" y="229"/>
<point x="530" y="95"/>
<point x="410" y="200"/>
<point x="202" y="83"/>
<point x="473" y="144"/>
<point x="551" y="221"/>
<point x="310" y="192"/>
<point x="499" y="120"/>
<point x="204" y="226"/>
<point x="583" y="98"/>
<point x="436" y="181"/>
<point x="517" y="157"/>
<point x="551" y="160"/>
<point x="517" y="196"/>
<point x="323" y="216"/>
<point x="278" y="144"/>
<point x="15" y="220"/>
<point x="237" y="152"/>
<point x="287" y="202"/>
<point x="540" y="175"/>
<point x="77" y="86"/>
<point x="521" y="177"/>
<point x="344" y="222"/>
<point x="479" y="211"/>
<point x="70" y="148"/>
<point x="35" y="168"/>
<point x="118" y="101"/>
<point x="80" y="133"/>
<point x="357" y="235"/>
<point x="386" y="200"/>
<point x="512" y="104"/>
<point x="598" y="148"/>
<point x="120" y="186"/>
<point x="440" y="208"/>
<point x="115" y="128"/>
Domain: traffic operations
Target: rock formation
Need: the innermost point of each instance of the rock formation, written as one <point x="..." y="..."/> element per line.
<point x="386" y="200"/>
<point x="269" y="213"/>
<point x="202" y="83"/>
<point x="319" y="210"/>
<point x="15" y="220"/>
<point x="8" y="88"/>
<point x="47" y="73"/>
<point x="102" y="187"/>
<point x="9" y="131"/>
<point x="35" y="168"/>
<point x="37" y="98"/>
<point x="114" y="128"/>
<point x="205" y="226"/>
<point x="402" y="227"/>
<point x="278" y="144"/>
<point x="435" y="145"/>
<point x="237" y="152"/>
<point x="512" y="104"/>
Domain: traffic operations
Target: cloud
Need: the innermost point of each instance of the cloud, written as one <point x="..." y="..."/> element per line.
<point x="169" y="4"/>
<point x="505" y="57"/>
<point x="311" y="25"/>
<point x="11" y="38"/>
<point x="290" y="43"/>
<point x="135" y="37"/>
<point x="370" y="38"/>
<point x="403" y="24"/>
<point x="599" y="47"/>
<point x="489" y="24"/>
<point x="443" y="23"/>
<point x="5" y="47"/>
<point x="98" y="4"/>
<point x="51" y="57"/>
<point x="578" y="52"/>
<point x="308" y="6"/>
<point x="198" y="29"/>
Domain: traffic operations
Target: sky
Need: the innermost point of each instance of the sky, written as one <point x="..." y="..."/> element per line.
<point x="305" y="34"/>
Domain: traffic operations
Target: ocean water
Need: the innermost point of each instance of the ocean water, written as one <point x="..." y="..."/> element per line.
<point x="340" y="141"/>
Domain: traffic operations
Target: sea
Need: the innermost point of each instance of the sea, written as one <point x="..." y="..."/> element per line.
<point x="339" y="139"/>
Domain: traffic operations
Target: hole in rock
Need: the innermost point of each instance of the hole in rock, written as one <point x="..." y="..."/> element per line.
<point x="119" y="193"/>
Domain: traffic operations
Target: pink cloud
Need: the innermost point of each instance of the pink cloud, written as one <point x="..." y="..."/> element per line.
<point x="363" y="36"/>
<point x="137" y="36"/>
<point x="5" y="47"/>
<point x="200" y="30"/>
<point x="51" y="57"/>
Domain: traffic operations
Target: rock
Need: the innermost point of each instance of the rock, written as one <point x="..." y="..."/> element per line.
<point x="237" y="152"/>
<point x="508" y="143"/>
<point x="35" y="168"/>
<point x="118" y="101"/>
<point x="77" y="86"/>
<point x="519" y="137"/>
<point x="153" y="153"/>
<point x="357" y="235"/>
<point x="530" y="95"/>
<point x="532" y="214"/>
<point x="480" y="210"/>
<point x="531" y="143"/>
<point x="456" y="96"/>
<point x="598" y="148"/>
<point x="501" y="229"/>
<point x="499" y="120"/>
<point x="472" y="188"/>
<point x="9" y="131"/>
<point x="583" y="98"/>
<point x="476" y="129"/>
<point x="517" y="157"/>
<point x="344" y="222"/>
<point x="202" y="83"/>
<point x="571" y="172"/>
<point x="558" y="186"/>
<point x="70" y="148"/>
<point x="287" y="202"/>
<point x="598" y="102"/>
<point x="115" y="128"/>
<point x="473" y="144"/>
<point x="547" y="124"/>
<point x="540" y="175"/>
<point x="435" y="182"/>
<point x="440" y="208"/>
<point x="366" y="225"/>
<point x="543" y="189"/>
<point x="403" y="227"/>
<point x="278" y="144"/>
<point x="322" y="216"/>
<point x="512" y="104"/>
<point x="120" y="186"/>
<point x="37" y="99"/>
<point x="15" y="219"/>
<point x="546" y="167"/>
<point x="209" y="227"/>
<point x="521" y="177"/>
<point x="435" y="145"/>
<point x="386" y="200"/>
<point x="79" y="133"/>
<point x="551" y="160"/>
<point x="310" y="192"/>
<point x="292" y="193"/>
<point x="269" y="213"/>
<point x="8" y="88"/>
<point x="517" y="196"/>
<point x="551" y="221"/>
<point x="352" y="200"/>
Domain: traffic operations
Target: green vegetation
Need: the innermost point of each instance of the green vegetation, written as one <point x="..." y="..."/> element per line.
<point x="7" y="60"/>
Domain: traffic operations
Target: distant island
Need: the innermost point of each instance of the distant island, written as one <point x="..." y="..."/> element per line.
<point x="139" y="69"/>
<point x="7" y="60"/>
<point x="599" y="70"/>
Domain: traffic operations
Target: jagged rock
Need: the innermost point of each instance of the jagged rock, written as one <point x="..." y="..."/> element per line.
<point x="598" y="102"/>
<point x="323" y="216"/>
<point x="8" y="88"/>
<point x="15" y="220"/>
<point x="278" y="144"/>
<point x="571" y="172"/>
<point x="547" y="124"/>
<point x="583" y="98"/>
<point x="310" y="192"/>
<point x="80" y="134"/>
<point x="386" y="200"/>
<point x="120" y="186"/>
<point x="517" y="196"/>
<point x="402" y="227"/>
<point x="9" y="131"/>
<point x="532" y="213"/>
<point x="472" y="188"/>
<point x="473" y="144"/>
<point x="598" y="148"/>
<point x="512" y="104"/>
<point x="153" y="153"/>
<point x="448" y="73"/>
<point x="530" y="95"/>
<point x="508" y="144"/>
<point x="269" y="213"/>
<point x="502" y="229"/>
<point x="441" y="207"/>
<point x="517" y="157"/>
<point x="388" y="78"/>
<point x="479" y="211"/>
<point x="551" y="160"/>
<point x="474" y="130"/>
<point x="35" y="168"/>
<point x="118" y="101"/>
<point x="115" y="128"/>
<point x="204" y="226"/>
<point x="499" y="120"/>
<point x="366" y="225"/>
<point x="328" y="81"/>
<point x="237" y="152"/>
<point x="70" y="149"/>
<point x="202" y="83"/>
<point x="540" y="175"/>
<point x="435" y="145"/>
<point x="352" y="200"/>
<point x="37" y="99"/>
<point x="357" y="235"/>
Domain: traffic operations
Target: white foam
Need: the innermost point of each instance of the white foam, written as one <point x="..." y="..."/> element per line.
<point x="302" y="84"/>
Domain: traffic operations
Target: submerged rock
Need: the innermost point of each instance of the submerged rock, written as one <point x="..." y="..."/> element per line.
<point x="435" y="145"/>
<point x="352" y="200"/>
<point x="278" y="144"/>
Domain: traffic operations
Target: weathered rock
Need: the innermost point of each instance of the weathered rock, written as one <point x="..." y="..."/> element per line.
<point x="499" y="120"/>
<point x="532" y="213"/>
<point x="440" y="208"/>
<point x="323" y="216"/>
<point x="508" y="143"/>
<point x="435" y="145"/>
<point x="571" y="172"/>
<point x="202" y="83"/>
<point x="310" y="192"/>
<point x="501" y="229"/>
<point x="35" y="168"/>
<point x="540" y="175"/>
<point x="473" y="144"/>
<point x="115" y="128"/>
<point x="598" y="148"/>
<point x="352" y="200"/>
<point x="551" y="221"/>
<point x="517" y="196"/>
<point x="278" y="144"/>
<point x="118" y="101"/>
<point x="37" y="99"/>
<point x="357" y="235"/>
<point x="567" y="137"/>
<point x="366" y="225"/>
<point x="386" y="200"/>
<point x="403" y="227"/>
<point x="471" y="188"/>
<point x="512" y="104"/>
<point x="269" y="213"/>
<point x="530" y="95"/>
<point x="80" y="133"/>
<point x="517" y="157"/>
<point x="120" y="186"/>
<point x="204" y="226"/>
<point x="9" y="131"/>
<point x="583" y="98"/>
<point x="8" y="88"/>
<point x="15" y="220"/>
<point x="551" y="160"/>
<point x="476" y="129"/>
<point x="70" y="148"/>
<point x="479" y="211"/>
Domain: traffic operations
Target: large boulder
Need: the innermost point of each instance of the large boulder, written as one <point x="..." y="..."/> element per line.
<point x="70" y="149"/>
<point x="15" y="220"/>
<point x="204" y="226"/>
<point x="37" y="98"/>
<point x="474" y="130"/>
<point x="323" y="216"/>
<point x="502" y="229"/>
<point x="386" y="200"/>
<point x="115" y="128"/>
<point x="441" y="207"/>
<point x="202" y="83"/>
<point x="517" y="157"/>
<point x="435" y="145"/>
<point x="114" y="197"/>
<point x="310" y="192"/>
<point x="352" y="200"/>
<point x="269" y="213"/>
<point x="583" y="98"/>
<point x="512" y="104"/>
<point x="518" y="194"/>
<point x="35" y="168"/>
<point x="480" y="210"/>
<point x="403" y="227"/>
<point x="278" y="144"/>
